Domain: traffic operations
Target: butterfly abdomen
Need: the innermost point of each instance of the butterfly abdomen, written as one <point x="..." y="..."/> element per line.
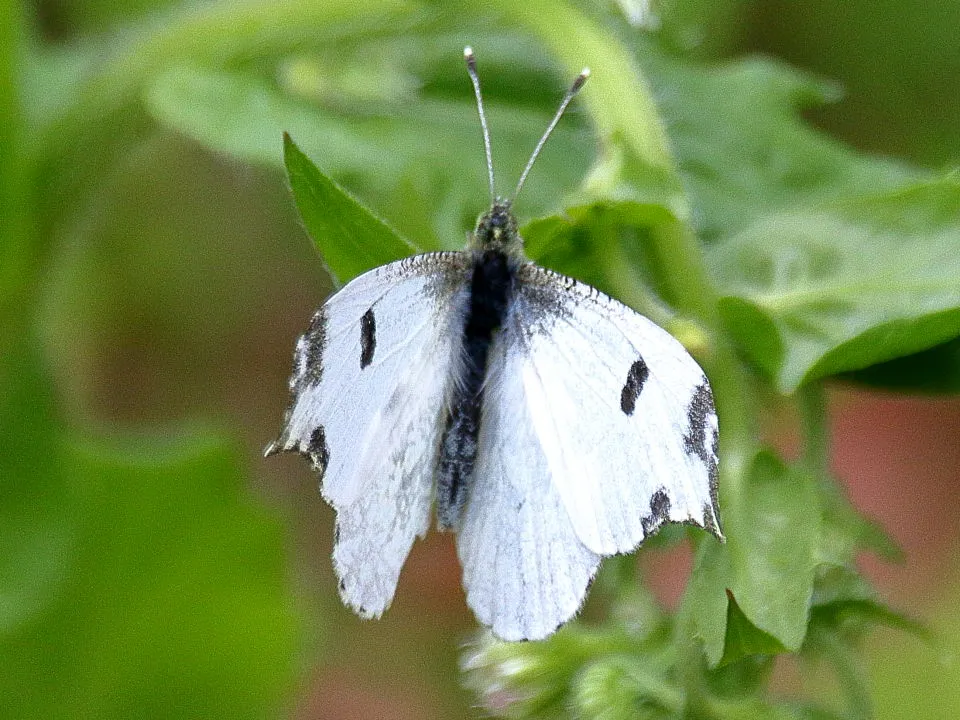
<point x="491" y="286"/>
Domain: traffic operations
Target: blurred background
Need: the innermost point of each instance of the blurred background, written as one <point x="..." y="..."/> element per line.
<point x="176" y="277"/>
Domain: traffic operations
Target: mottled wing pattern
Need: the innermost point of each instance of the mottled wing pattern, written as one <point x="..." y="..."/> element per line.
<point x="369" y="389"/>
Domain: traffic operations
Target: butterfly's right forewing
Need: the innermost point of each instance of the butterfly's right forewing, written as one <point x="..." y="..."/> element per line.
<point x="623" y="413"/>
<point x="370" y="385"/>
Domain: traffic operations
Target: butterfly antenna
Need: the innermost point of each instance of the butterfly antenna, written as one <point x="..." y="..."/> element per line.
<point x="571" y="93"/>
<point x="475" y="79"/>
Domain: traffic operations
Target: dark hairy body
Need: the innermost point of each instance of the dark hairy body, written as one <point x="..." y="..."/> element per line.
<point x="491" y="286"/>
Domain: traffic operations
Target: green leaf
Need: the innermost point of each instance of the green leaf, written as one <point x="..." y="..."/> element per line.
<point x="351" y="239"/>
<point x="743" y="638"/>
<point x="747" y="675"/>
<point x="420" y="162"/>
<point x="812" y="293"/>
<point x="772" y="541"/>
<point x="753" y="154"/>
<point x="935" y="371"/>
<point x="705" y="600"/>
<point x="609" y="246"/>
<point x="615" y="688"/>
<point x="768" y="562"/>
<point x="846" y="532"/>
<point x="171" y="599"/>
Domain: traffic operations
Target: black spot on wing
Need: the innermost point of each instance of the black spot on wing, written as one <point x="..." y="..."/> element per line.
<point x="307" y="372"/>
<point x="659" y="512"/>
<point x="710" y="519"/>
<point x="314" y="341"/>
<point x="368" y="338"/>
<point x="317" y="449"/>
<point x="636" y="377"/>
<point x="702" y="441"/>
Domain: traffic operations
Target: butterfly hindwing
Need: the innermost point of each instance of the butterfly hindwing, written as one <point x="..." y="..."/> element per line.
<point x="525" y="570"/>
<point x="369" y="389"/>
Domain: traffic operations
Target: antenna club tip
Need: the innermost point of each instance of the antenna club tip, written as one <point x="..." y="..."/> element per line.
<point x="581" y="79"/>
<point x="468" y="54"/>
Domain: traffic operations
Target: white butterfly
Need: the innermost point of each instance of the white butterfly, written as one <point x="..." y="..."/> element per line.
<point x="550" y="424"/>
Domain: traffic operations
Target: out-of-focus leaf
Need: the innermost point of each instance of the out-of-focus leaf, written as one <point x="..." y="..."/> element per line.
<point x="618" y="688"/>
<point x="911" y="680"/>
<point x="745" y="676"/>
<point x="935" y="371"/>
<point x="752" y="154"/>
<point x="420" y="163"/>
<point x="36" y="520"/>
<point x="744" y="638"/>
<point x="824" y="643"/>
<point x="772" y="541"/>
<point x="817" y="292"/>
<point x="768" y="562"/>
<point x="171" y="602"/>
<point x="846" y="532"/>
<point x="350" y="238"/>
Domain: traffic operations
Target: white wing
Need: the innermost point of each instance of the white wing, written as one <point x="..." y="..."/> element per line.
<point x="369" y="389"/>
<point x="524" y="569"/>
<point x="597" y="427"/>
<point x="623" y="414"/>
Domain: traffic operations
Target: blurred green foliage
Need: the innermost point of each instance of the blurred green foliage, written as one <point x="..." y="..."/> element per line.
<point x="138" y="578"/>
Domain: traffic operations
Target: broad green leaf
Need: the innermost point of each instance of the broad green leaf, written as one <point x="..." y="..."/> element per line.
<point x="768" y="562"/>
<point x="935" y="371"/>
<point x="772" y="541"/>
<point x="751" y="154"/>
<point x="171" y="599"/>
<point x="704" y="606"/>
<point x="350" y="238"/>
<point x="816" y="292"/>
<point x="419" y="161"/>
<point x="608" y="245"/>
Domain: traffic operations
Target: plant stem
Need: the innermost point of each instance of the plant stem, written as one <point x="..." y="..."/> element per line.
<point x="812" y="404"/>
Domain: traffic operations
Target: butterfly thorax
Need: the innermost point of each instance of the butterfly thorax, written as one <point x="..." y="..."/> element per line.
<point x="497" y="230"/>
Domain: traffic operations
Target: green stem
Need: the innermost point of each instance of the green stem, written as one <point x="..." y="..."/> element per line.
<point x="812" y="403"/>
<point x="576" y="40"/>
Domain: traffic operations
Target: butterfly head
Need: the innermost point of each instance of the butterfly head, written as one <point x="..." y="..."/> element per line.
<point x="497" y="230"/>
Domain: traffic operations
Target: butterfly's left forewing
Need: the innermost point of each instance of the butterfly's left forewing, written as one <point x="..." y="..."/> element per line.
<point x="370" y="388"/>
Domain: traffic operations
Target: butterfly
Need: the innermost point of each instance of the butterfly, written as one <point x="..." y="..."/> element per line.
<point x="549" y="424"/>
